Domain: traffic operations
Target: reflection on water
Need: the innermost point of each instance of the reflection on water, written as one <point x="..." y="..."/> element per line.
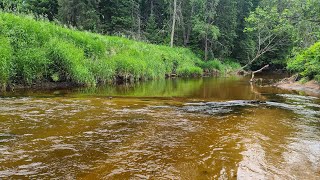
<point x="167" y="129"/>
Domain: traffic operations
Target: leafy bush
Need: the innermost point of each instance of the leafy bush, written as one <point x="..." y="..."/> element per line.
<point x="307" y="63"/>
<point x="317" y="78"/>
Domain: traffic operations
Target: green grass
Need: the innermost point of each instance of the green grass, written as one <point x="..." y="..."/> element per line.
<point x="5" y="60"/>
<point x="307" y="63"/>
<point x="223" y="67"/>
<point x="35" y="51"/>
<point x="39" y="51"/>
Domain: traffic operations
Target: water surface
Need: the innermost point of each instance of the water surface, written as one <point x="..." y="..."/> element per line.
<point x="209" y="128"/>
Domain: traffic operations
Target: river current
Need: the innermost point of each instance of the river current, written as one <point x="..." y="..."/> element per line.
<point x="208" y="128"/>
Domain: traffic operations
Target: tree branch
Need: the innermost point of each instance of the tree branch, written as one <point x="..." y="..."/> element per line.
<point x="257" y="71"/>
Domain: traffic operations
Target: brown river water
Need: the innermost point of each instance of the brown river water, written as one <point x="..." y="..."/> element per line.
<point x="209" y="128"/>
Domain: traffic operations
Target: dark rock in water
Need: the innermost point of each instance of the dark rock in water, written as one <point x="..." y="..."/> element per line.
<point x="234" y="103"/>
<point x="218" y="107"/>
<point x="299" y="104"/>
<point x="5" y="137"/>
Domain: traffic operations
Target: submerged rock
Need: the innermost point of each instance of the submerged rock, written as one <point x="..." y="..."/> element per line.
<point x="302" y="105"/>
<point x="219" y="107"/>
<point x="6" y="137"/>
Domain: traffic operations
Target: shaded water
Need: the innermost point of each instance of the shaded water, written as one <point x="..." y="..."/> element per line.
<point x="210" y="128"/>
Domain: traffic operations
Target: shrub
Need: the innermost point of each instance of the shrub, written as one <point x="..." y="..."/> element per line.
<point x="317" y="78"/>
<point x="307" y="63"/>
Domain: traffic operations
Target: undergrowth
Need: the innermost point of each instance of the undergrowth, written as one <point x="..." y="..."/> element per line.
<point x="307" y="63"/>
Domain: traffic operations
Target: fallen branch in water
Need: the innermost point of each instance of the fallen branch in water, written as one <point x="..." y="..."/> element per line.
<point x="257" y="71"/>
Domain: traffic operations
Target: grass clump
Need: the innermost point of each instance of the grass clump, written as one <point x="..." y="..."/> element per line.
<point x="230" y="65"/>
<point x="307" y="63"/>
<point x="226" y="66"/>
<point x="5" y="61"/>
<point x="212" y="65"/>
<point x="69" y="62"/>
<point x="30" y="64"/>
<point x="189" y="72"/>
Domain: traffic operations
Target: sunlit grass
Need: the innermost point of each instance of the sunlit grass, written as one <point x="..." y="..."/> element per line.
<point x="35" y="51"/>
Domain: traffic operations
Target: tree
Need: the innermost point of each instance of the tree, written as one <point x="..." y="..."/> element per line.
<point x="269" y="30"/>
<point x="116" y="16"/>
<point x="47" y="8"/>
<point x="152" y="30"/>
<point x="226" y="21"/>
<point x="136" y="19"/>
<point x="79" y="13"/>
<point x="243" y="42"/>
<point x="173" y="21"/>
<point x="204" y="23"/>
<point x="305" y="17"/>
<point x="185" y="12"/>
<point x="280" y="29"/>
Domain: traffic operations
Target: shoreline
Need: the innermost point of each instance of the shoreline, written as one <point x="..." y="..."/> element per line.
<point x="311" y="88"/>
<point x="46" y="85"/>
<point x="41" y="86"/>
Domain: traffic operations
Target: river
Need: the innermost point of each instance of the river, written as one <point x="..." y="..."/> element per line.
<point x="208" y="128"/>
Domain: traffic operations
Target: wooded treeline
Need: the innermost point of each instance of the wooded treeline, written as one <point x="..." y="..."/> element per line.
<point x="253" y="32"/>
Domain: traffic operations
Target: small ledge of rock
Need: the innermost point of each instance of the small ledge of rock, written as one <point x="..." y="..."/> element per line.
<point x="310" y="88"/>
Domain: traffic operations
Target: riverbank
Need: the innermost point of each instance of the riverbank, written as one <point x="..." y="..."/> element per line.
<point x="40" y="52"/>
<point x="310" y="88"/>
<point x="36" y="51"/>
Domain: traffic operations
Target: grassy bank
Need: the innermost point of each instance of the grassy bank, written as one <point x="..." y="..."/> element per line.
<point x="221" y="67"/>
<point x="39" y="51"/>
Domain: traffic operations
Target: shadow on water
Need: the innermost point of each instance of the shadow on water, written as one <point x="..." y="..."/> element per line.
<point x="206" y="128"/>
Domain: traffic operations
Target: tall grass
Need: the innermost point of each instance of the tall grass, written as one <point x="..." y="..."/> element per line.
<point x="222" y="67"/>
<point x="35" y="51"/>
<point x="38" y="51"/>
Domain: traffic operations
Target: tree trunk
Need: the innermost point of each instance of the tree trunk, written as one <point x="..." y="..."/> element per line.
<point x="139" y="27"/>
<point x="173" y="21"/>
<point x="206" y="48"/>
<point x="183" y="25"/>
<point x="151" y="7"/>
